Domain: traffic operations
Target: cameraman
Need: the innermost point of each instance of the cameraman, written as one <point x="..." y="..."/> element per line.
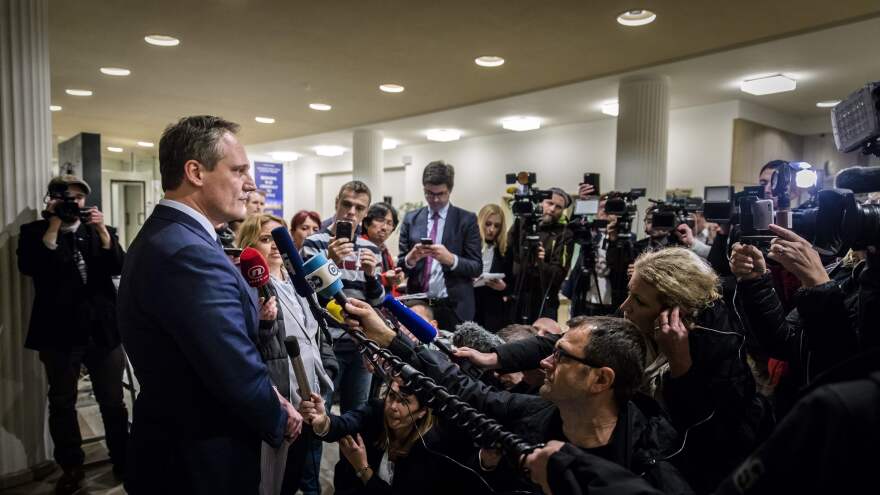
<point x="541" y="276"/>
<point x="620" y="256"/>
<point x="598" y="297"/>
<point x="72" y="256"/>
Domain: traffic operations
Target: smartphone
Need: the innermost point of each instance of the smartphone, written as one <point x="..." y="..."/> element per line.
<point x="593" y="180"/>
<point x="344" y="230"/>
<point x="426" y="241"/>
<point x="234" y="252"/>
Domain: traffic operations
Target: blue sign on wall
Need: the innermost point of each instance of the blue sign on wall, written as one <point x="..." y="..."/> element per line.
<point x="270" y="178"/>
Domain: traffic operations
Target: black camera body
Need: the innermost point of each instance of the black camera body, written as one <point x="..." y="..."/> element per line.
<point x="527" y="199"/>
<point x="67" y="208"/>
<point x="622" y="205"/>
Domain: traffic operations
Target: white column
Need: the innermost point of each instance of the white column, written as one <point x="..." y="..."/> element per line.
<point x="366" y="159"/>
<point x="642" y="137"/>
<point x="25" y="167"/>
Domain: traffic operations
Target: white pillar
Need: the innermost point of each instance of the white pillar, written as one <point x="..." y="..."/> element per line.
<point x="25" y="168"/>
<point x="642" y="137"/>
<point x="367" y="159"/>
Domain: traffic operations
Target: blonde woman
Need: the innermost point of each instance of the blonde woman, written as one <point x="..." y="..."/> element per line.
<point x="490" y="298"/>
<point x="696" y="365"/>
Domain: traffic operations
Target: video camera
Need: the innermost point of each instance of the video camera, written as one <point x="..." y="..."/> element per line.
<point x="623" y="206"/>
<point x="527" y="199"/>
<point x="669" y="215"/>
<point x="583" y="220"/>
<point x="67" y="208"/>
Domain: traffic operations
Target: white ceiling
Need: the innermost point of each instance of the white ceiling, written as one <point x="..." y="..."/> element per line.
<point x="827" y="64"/>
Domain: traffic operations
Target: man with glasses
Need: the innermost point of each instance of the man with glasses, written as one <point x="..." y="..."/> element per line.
<point x="440" y="249"/>
<point x="587" y="399"/>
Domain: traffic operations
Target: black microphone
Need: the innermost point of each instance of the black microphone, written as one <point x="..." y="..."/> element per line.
<point x="292" y="260"/>
<point x="299" y="370"/>
<point x="858" y="179"/>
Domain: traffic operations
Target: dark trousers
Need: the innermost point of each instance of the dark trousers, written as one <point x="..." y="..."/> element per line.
<point x="62" y="372"/>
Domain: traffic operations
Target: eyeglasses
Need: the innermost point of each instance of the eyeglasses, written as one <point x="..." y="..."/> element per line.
<point x="438" y="195"/>
<point x="559" y="353"/>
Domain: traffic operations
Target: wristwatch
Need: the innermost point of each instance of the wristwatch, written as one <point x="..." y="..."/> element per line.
<point x="362" y="472"/>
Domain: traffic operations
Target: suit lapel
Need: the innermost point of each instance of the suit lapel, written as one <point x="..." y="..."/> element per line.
<point x="451" y="221"/>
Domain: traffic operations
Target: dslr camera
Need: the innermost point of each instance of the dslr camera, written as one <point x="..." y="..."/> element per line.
<point x="67" y="208"/>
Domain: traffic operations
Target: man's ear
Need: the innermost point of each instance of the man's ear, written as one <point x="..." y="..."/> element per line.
<point x="193" y="172"/>
<point x="604" y="379"/>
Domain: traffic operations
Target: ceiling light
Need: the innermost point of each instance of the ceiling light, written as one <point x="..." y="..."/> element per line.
<point x="265" y="120"/>
<point x="443" y="135"/>
<point x="329" y="150"/>
<point x="78" y="92"/>
<point x="114" y="149"/>
<point x="115" y="71"/>
<point x="389" y="144"/>
<point x="768" y="85"/>
<point x="321" y="107"/>
<point x="391" y="88"/>
<point x="161" y="40"/>
<point x="611" y="108"/>
<point x="827" y="103"/>
<point x="519" y="123"/>
<point x="145" y="144"/>
<point x="55" y="108"/>
<point x="284" y="156"/>
<point x="489" y="61"/>
<point x="636" y="17"/>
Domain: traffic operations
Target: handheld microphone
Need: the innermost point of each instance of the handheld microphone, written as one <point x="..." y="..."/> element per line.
<point x="292" y="260"/>
<point x="299" y="370"/>
<point x="255" y="270"/>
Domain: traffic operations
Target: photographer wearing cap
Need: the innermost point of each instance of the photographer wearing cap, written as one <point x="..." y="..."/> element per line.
<point x="72" y="256"/>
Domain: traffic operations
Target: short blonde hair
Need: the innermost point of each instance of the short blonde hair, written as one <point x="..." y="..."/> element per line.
<point x="681" y="277"/>
<point x="486" y="212"/>
<point x="249" y="232"/>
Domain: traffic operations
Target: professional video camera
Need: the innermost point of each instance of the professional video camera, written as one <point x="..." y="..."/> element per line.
<point x="67" y="209"/>
<point x="527" y="199"/>
<point x="623" y="206"/>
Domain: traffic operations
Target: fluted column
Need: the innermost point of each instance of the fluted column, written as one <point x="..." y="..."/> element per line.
<point x="642" y="137"/>
<point x="25" y="162"/>
<point x="366" y="159"/>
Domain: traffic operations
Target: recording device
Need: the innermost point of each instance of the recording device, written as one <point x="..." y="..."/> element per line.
<point x="232" y="251"/>
<point x="586" y="207"/>
<point x="527" y="199"/>
<point x="426" y="241"/>
<point x="299" y="370"/>
<point x="344" y="230"/>
<point x="593" y="180"/>
<point x="67" y="208"/>
<point x="623" y="206"/>
<point x="669" y="215"/>
<point x="856" y="121"/>
<point x="255" y="270"/>
<point x="417" y="325"/>
<point x="292" y="262"/>
<point x="471" y="334"/>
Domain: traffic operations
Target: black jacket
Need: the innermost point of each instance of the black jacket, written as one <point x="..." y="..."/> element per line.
<point x="491" y="310"/>
<point x="420" y="472"/>
<point x="67" y="313"/>
<point x="639" y="442"/>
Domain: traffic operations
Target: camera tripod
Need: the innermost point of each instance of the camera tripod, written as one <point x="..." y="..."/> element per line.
<point x="521" y="297"/>
<point x="587" y="278"/>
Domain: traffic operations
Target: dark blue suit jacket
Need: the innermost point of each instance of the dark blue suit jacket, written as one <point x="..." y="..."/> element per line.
<point x="461" y="236"/>
<point x="189" y="324"/>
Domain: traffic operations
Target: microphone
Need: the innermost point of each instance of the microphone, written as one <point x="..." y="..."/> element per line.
<point x="858" y="179"/>
<point x="471" y="334"/>
<point x="255" y="270"/>
<point x="417" y="325"/>
<point x="292" y="260"/>
<point x="299" y="370"/>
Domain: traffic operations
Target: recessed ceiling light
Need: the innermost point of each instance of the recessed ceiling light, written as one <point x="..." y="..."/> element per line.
<point x="520" y="123"/>
<point x="389" y="144"/>
<point x="329" y="150"/>
<point x="611" y="108"/>
<point x="391" y="88"/>
<point x="78" y="92"/>
<point x="827" y="103"/>
<point x="114" y="149"/>
<point x="638" y="17"/>
<point x="145" y="144"/>
<point x="443" y="135"/>
<point x="321" y="107"/>
<point x="284" y="156"/>
<point x="489" y="61"/>
<point x="55" y="108"/>
<point x="161" y="40"/>
<point x="768" y="85"/>
<point x="115" y="71"/>
<point x="265" y="120"/>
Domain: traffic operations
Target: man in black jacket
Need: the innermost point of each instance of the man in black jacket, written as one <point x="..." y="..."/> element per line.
<point x="72" y="257"/>
<point x="591" y="377"/>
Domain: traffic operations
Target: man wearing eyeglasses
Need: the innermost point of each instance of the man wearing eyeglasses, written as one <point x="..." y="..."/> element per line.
<point x="440" y="249"/>
<point x="588" y="398"/>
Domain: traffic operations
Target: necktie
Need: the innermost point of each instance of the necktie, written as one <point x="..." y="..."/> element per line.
<point x="426" y="276"/>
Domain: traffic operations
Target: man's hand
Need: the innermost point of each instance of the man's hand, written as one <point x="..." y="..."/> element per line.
<point x="268" y="309"/>
<point x="485" y="360"/>
<point x="489" y="459"/>
<point x="798" y="257"/>
<point x="416" y="254"/>
<point x="368" y="262"/>
<point x="365" y="318"/>
<point x="96" y="218"/>
<point x="496" y="284"/>
<point x="441" y="254"/>
<point x="611" y="229"/>
<point x="339" y="249"/>
<point x="394" y="277"/>
<point x="314" y="413"/>
<point x="747" y="262"/>
<point x="685" y="234"/>
<point x="671" y="336"/>
<point x="585" y="190"/>
<point x="294" y="419"/>
<point x="541" y="252"/>
<point x="536" y="463"/>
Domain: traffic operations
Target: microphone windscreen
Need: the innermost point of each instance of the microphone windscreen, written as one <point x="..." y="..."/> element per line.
<point x="858" y="179"/>
<point x="413" y="322"/>
<point x="335" y="310"/>
<point x="323" y="276"/>
<point x="292" y="346"/>
<point x="292" y="260"/>
<point x="254" y="267"/>
<point x="471" y="334"/>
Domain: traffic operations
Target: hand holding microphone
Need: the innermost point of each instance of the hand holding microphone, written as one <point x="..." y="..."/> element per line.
<point x="314" y="412"/>
<point x="256" y="271"/>
<point x="362" y="316"/>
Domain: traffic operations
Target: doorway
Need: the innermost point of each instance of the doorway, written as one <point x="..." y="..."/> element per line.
<point x="128" y="209"/>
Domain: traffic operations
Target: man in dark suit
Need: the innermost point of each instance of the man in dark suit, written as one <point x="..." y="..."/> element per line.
<point x="72" y="257"/>
<point x="189" y="323"/>
<point x="445" y="267"/>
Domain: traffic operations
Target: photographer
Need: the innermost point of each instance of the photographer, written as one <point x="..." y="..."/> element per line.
<point x="590" y="270"/>
<point x="72" y="257"/>
<point x="540" y="276"/>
